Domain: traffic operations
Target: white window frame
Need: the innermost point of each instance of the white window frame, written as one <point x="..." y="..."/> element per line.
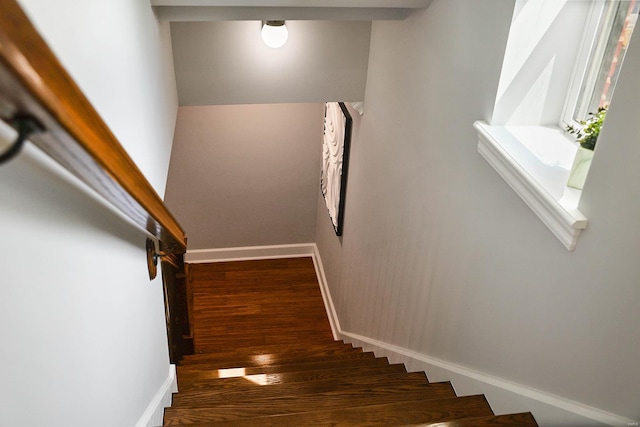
<point x="513" y="150"/>
<point x="591" y="38"/>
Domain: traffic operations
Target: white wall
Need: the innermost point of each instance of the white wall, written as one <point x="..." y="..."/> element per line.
<point x="219" y="63"/>
<point x="442" y="261"/>
<point x="246" y="175"/>
<point x="82" y="328"/>
<point x="120" y="56"/>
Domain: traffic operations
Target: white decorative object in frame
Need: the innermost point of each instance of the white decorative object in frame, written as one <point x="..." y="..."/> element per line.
<point x="335" y="160"/>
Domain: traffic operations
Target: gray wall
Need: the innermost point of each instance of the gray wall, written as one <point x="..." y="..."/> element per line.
<point x="82" y="329"/>
<point x="219" y="63"/>
<point x="246" y="175"/>
<point x="439" y="256"/>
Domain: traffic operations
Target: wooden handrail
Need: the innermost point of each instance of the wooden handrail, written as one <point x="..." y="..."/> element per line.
<point x="34" y="83"/>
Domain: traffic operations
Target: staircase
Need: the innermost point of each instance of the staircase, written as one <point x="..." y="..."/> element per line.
<point x="265" y="356"/>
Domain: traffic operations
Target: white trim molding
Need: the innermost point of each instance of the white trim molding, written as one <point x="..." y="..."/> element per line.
<point x="334" y="322"/>
<point x="560" y="215"/>
<point x="250" y="253"/>
<point x="154" y="414"/>
<point x="504" y="396"/>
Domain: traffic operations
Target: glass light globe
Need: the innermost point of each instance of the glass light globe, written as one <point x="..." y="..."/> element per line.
<point x="274" y="34"/>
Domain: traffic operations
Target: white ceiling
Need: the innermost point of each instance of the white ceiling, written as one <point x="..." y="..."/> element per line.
<point x="327" y="10"/>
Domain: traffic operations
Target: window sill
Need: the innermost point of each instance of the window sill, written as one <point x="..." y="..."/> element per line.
<point x="535" y="161"/>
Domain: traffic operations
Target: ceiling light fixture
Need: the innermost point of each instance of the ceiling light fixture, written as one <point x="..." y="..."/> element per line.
<point x="274" y="33"/>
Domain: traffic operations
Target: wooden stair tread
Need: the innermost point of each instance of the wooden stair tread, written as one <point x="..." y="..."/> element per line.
<point x="259" y="386"/>
<point x="212" y="357"/>
<point x="318" y="391"/>
<point x="264" y="336"/>
<point x="206" y="344"/>
<point x="275" y="360"/>
<point x="269" y="323"/>
<point x="335" y="374"/>
<point x="383" y="414"/>
<point x="302" y="404"/>
<point x="203" y="372"/>
<point x="523" y="419"/>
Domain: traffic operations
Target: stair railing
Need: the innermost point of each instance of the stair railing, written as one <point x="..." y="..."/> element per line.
<point x="36" y="89"/>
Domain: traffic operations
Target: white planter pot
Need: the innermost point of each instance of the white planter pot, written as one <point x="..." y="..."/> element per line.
<point x="580" y="168"/>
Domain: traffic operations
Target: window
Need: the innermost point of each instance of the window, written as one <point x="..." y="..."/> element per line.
<point x="561" y="63"/>
<point x="605" y="44"/>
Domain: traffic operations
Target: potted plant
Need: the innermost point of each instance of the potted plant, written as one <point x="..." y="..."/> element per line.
<point x="587" y="136"/>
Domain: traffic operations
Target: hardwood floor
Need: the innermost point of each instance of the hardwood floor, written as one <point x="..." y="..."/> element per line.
<point x="257" y="303"/>
<point x="265" y="356"/>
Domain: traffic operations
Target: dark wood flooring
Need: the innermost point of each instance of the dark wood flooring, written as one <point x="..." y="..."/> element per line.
<point x="265" y="356"/>
<point x="257" y="303"/>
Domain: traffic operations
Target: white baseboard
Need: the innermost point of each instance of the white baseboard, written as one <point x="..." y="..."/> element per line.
<point x="154" y="414"/>
<point x="250" y="253"/>
<point x="326" y="295"/>
<point x="503" y="396"/>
